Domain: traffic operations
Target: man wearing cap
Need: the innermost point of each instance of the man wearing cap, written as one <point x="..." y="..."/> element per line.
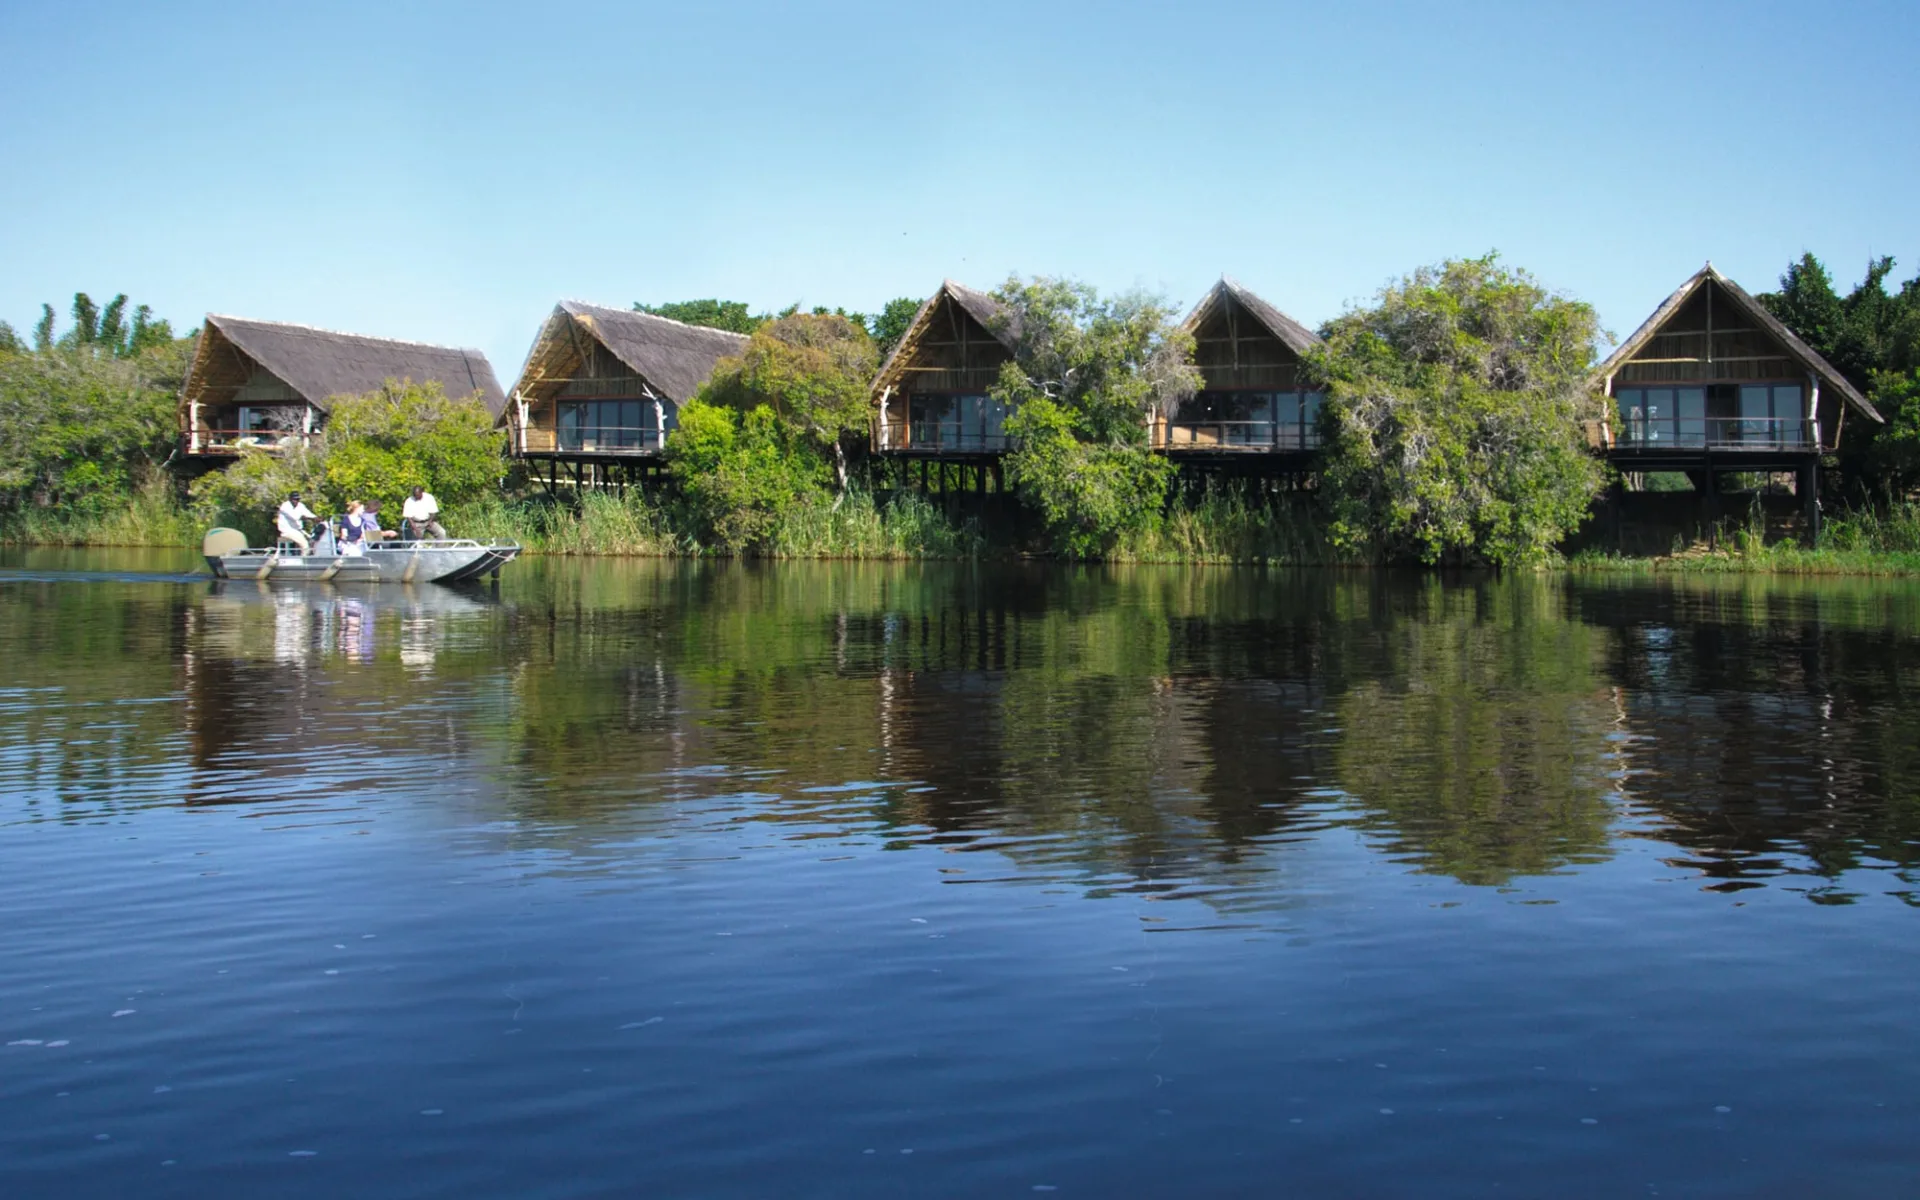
<point x="287" y="522"/>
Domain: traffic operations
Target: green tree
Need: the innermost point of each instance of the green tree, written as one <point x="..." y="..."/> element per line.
<point x="375" y="447"/>
<point x="813" y="371"/>
<point x="86" y="322"/>
<point x="891" y="323"/>
<point x="730" y="315"/>
<point x="1872" y="337"/>
<point x="83" y="429"/>
<point x="742" y="472"/>
<point x="10" y="343"/>
<point x="1452" y="415"/>
<point x="1087" y="373"/>
<point x="405" y="435"/>
<point x="43" y="330"/>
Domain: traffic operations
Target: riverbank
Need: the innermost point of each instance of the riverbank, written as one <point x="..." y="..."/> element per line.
<point x="1213" y="528"/>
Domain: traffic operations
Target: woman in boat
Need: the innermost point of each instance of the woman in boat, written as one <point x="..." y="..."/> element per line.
<point x="353" y="529"/>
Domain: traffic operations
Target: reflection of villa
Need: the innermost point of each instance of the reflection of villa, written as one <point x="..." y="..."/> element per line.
<point x="1714" y="382"/>
<point x="602" y="390"/>
<point x="1251" y="399"/>
<point x="263" y="385"/>
<point x="931" y="396"/>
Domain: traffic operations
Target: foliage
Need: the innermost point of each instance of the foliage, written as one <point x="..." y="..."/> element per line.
<point x="1234" y="521"/>
<point x="245" y="493"/>
<point x="730" y="315"/>
<point x="813" y="371"/>
<point x="88" y="419"/>
<point x="406" y="435"/>
<point x="1086" y="376"/>
<point x="741" y="473"/>
<point x="1452" y="415"/>
<point x="1872" y="337"/>
<point x="891" y="323"/>
<point x="107" y="331"/>
<point x="375" y="447"/>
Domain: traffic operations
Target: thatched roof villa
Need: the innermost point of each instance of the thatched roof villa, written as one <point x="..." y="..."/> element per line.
<point x="1251" y="400"/>
<point x="1714" y="379"/>
<point x="265" y="384"/>
<point x="604" y="383"/>
<point x="930" y="397"/>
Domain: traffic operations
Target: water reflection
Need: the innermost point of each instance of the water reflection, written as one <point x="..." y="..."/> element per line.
<point x="1162" y="732"/>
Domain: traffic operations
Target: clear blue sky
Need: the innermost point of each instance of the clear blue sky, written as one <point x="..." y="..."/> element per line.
<point x="447" y="171"/>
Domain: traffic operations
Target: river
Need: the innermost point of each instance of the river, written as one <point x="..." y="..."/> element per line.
<point x="685" y="879"/>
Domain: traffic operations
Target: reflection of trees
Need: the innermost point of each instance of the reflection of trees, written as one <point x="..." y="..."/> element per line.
<point x="1152" y="730"/>
<point x="1479" y="735"/>
<point x="1771" y="721"/>
<point x="86" y="676"/>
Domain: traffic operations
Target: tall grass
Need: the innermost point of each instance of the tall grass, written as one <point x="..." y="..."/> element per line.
<point x="152" y="516"/>
<point x="909" y="526"/>
<point x="1862" y="542"/>
<point x="1227" y="523"/>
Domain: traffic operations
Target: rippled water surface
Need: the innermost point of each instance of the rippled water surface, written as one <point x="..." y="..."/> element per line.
<point x="847" y="880"/>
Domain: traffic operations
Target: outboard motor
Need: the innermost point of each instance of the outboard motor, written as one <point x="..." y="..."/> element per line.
<point x="218" y="544"/>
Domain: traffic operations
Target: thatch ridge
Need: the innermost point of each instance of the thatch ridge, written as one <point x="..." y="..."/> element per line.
<point x="1807" y="356"/>
<point x="675" y="358"/>
<point x="322" y="363"/>
<point x="989" y="312"/>
<point x="1295" y="336"/>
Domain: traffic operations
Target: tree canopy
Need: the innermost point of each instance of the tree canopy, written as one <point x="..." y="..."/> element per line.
<point x="1871" y="336"/>
<point x="375" y="447"/>
<point x="1087" y="373"/>
<point x="89" y="414"/>
<point x="890" y="324"/>
<point x="813" y="372"/>
<point x="730" y="315"/>
<point x="1453" y="417"/>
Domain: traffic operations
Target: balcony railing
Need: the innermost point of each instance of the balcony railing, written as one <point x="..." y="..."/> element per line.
<point x="1241" y="435"/>
<point x="238" y="441"/>
<point x="609" y="439"/>
<point x="1731" y="434"/>
<point x="940" y="437"/>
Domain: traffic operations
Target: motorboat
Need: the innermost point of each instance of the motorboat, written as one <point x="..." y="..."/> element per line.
<point x="439" y="560"/>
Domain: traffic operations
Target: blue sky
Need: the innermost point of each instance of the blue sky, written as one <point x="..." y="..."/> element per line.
<point x="446" y="172"/>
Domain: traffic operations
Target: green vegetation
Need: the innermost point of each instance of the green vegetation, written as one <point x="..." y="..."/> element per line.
<point x="88" y="417"/>
<point x="735" y="316"/>
<point x="1863" y="541"/>
<point x="1086" y="374"/>
<point x="730" y="315"/>
<point x="1453" y="410"/>
<point x="374" y="448"/>
<point x="1872" y="337"/>
<point x="1451" y="429"/>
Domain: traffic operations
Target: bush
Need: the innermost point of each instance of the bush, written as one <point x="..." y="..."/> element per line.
<point x="742" y="474"/>
<point x="1453" y="418"/>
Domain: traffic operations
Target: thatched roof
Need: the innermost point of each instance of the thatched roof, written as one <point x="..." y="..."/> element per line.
<point x="992" y="315"/>
<point x="672" y="357"/>
<point x="319" y="364"/>
<point x="1295" y="336"/>
<point x="1804" y="354"/>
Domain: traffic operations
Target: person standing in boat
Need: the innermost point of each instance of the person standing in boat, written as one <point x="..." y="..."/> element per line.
<point x="289" y="522"/>
<point x="419" y="513"/>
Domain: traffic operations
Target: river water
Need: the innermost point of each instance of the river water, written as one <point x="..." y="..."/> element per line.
<point x="674" y="879"/>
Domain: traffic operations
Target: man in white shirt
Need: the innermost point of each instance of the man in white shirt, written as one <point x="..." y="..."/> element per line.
<point x="419" y="512"/>
<point x="287" y="522"/>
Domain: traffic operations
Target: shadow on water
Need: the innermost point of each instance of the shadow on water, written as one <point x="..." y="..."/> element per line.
<point x="1154" y="731"/>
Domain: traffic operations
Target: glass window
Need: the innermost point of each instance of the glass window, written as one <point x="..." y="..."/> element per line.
<point x="1690" y="416"/>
